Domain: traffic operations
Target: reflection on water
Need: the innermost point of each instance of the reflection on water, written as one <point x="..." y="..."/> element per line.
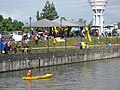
<point x="95" y="75"/>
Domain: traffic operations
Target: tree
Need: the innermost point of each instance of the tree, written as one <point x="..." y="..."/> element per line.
<point x="49" y="12"/>
<point x="118" y="25"/>
<point x="81" y="20"/>
<point x="17" y="25"/>
<point x="6" y="25"/>
<point x="9" y="24"/>
<point x="38" y="16"/>
<point x="10" y="19"/>
<point x="1" y="17"/>
<point x="90" y="25"/>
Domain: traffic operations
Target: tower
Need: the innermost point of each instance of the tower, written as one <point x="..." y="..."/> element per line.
<point x="98" y="7"/>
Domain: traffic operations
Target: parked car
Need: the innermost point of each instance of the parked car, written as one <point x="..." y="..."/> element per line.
<point x="5" y="35"/>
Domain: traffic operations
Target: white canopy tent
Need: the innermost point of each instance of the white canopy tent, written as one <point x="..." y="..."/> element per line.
<point x="78" y="23"/>
<point x="42" y="23"/>
<point x="65" y="23"/>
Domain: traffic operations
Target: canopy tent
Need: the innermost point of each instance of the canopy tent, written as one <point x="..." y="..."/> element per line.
<point x="17" y="37"/>
<point x="65" y="23"/>
<point x="75" y="29"/>
<point x="42" y="23"/>
<point x="3" y="44"/>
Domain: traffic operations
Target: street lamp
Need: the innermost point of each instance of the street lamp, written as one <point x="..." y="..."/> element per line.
<point x="61" y="21"/>
<point x="63" y="32"/>
<point x="30" y="24"/>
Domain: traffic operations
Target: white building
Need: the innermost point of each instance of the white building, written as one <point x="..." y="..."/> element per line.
<point x="98" y="7"/>
<point x="110" y="28"/>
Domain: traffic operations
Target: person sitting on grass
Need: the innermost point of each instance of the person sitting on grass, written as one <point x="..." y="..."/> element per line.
<point x="54" y="41"/>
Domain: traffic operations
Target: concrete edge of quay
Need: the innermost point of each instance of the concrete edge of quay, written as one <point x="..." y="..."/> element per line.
<point x="16" y="62"/>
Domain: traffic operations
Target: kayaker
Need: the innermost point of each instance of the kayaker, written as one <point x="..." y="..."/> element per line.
<point x="29" y="73"/>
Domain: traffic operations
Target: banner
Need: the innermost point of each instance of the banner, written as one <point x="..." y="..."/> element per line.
<point x="88" y="35"/>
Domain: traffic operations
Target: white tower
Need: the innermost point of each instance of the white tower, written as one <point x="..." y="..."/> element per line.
<point x="98" y="7"/>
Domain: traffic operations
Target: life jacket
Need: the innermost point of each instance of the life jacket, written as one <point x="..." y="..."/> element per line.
<point x="28" y="74"/>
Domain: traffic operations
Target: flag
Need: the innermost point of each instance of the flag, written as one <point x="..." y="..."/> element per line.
<point x="88" y="35"/>
<point x="61" y="28"/>
<point x="65" y="29"/>
<point x="55" y="29"/>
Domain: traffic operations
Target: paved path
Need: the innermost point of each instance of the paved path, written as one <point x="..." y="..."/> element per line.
<point x="53" y="47"/>
<point x="72" y="46"/>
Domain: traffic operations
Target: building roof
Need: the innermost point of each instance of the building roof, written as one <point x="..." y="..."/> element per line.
<point x="109" y="26"/>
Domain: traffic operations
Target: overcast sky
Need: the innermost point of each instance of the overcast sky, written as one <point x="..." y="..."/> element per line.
<point x="70" y="9"/>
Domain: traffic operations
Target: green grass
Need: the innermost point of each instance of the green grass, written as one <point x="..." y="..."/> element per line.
<point x="101" y="42"/>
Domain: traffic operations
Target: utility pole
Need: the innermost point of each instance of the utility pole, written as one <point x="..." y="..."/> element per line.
<point x="30" y="24"/>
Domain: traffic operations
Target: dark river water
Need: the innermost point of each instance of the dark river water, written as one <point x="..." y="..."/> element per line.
<point x="94" y="75"/>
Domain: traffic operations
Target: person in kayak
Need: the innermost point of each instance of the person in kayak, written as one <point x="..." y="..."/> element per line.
<point x="29" y="73"/>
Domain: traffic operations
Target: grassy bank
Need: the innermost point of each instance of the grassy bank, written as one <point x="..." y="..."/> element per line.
<point x="47" y="45"/>
<point x="72" y="41"/>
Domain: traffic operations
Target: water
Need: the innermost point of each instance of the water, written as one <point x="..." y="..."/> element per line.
<point x="95" y="75"/>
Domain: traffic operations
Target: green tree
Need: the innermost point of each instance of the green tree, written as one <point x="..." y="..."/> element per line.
<point x="9" y="24"/>
<point x="10" y="19"/>
<point x="1" y="17"/>
<point x="49" y="12"/>
<point x="90" y="25"/>
<point x="81" y="20"/>
<point x="6" y="25"/>
<point x="38" y="16"/>
<point x="118" y="25"/>
<point x="17" y="25"/>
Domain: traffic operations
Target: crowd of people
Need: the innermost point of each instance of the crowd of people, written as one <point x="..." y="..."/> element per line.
<point x="24" y="46"/>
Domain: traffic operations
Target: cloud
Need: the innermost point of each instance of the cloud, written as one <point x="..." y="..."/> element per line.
<point x="69" y="3"/>
<point x="4" y="14"/>
<point x="15" y="15"/>
<point x="112" y="13"/>
<point x="21" y="10"/>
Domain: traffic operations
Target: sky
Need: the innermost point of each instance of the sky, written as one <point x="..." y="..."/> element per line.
<point x="21" y="10"/>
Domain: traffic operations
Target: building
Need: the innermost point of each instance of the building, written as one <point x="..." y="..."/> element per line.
<point x="98" y="7"/>
<point x="111" y="29"/>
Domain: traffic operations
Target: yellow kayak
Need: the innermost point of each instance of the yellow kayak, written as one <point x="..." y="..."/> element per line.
<point x="45" y="76"/>
<point x="30" y="78"/>
<point x="38" y="77"/>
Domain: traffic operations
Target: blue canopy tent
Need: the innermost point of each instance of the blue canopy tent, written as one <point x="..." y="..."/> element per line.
<point x="3" y="44"/>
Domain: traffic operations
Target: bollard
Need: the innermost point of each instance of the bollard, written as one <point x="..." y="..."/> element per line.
<point x="39" y="62"/>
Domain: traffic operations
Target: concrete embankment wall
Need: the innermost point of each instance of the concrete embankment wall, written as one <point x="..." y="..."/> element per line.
<point x="13" y="62"/>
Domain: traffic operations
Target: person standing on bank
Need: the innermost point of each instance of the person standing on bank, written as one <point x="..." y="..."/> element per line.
<point x="36" y="39"/>
<point x="109" y="45"/>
